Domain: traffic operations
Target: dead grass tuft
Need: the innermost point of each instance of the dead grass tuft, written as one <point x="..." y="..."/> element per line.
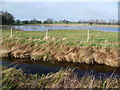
<point x="61" y="52"/>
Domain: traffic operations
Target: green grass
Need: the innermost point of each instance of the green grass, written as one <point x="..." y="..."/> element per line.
<point x="62" y="23"/>
<point x="73" y="37"/>
<point x="14" y="79"/>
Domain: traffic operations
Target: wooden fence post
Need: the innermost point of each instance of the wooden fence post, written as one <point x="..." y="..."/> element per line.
<point x="46" y="37"/>
<point x="11" y="33"/>
<point x="88" y="35"/>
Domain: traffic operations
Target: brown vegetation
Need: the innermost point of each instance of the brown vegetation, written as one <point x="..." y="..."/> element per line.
<point x="13" y="79"/>
<point x="61" y="52"/>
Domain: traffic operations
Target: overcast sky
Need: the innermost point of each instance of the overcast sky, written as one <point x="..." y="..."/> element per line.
<point x="73" y="11"/>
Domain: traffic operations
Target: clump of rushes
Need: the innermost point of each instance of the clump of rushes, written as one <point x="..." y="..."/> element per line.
<point x="61" y="52"/>
<point x="13" y="79"/>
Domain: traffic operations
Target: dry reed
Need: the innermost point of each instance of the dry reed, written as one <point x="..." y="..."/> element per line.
<point x="62" y="52"/>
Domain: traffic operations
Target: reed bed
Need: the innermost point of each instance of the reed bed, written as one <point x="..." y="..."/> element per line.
<point x="61" y="52"/>
<point x="16" y="79"/>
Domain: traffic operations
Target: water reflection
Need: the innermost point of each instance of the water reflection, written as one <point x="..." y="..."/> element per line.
<point x="43" y="67"/>
<point x="43" y="27"/>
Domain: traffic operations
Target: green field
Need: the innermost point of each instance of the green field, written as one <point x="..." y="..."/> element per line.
<point x="69" y="37"/>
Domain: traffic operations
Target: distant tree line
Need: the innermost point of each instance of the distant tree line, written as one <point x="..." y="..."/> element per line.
<point x="8" y="19"/>
<point x="101" y="21"/>
<point x="33" y="21"/>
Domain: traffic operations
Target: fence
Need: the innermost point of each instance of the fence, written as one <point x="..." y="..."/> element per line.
<point x="78" y="35"/>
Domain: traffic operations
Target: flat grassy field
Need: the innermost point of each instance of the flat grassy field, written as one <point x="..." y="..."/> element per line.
<point x="69" y="37"/>
<point x="79" y="24"/>
<point x="69" y="24"/>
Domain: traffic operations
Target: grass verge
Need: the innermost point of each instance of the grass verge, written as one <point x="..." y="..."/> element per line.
<point x="15" y="79"/>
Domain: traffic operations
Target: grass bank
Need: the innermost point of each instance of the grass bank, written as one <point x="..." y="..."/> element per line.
<point x="69" y="24"/>
<point x="14" y="79"/>
<point x="63" y="45"/>
<point x="76" y="24"/>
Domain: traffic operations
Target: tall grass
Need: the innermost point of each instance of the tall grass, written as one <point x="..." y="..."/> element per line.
<point x="13" y="79"/>
<point x="61" y="52"/>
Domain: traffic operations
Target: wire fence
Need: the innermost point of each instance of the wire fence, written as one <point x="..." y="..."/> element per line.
<point x="80" y="35"/>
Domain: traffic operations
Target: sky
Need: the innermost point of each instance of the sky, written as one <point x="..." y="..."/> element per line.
<point x="73" y="11"/>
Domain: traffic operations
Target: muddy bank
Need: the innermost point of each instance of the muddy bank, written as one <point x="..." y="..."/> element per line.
<point x="61" y="52"/>
<point x="61" y="79"/>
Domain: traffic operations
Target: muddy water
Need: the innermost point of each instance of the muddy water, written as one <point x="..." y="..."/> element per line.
<point x="43" y="67"/>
